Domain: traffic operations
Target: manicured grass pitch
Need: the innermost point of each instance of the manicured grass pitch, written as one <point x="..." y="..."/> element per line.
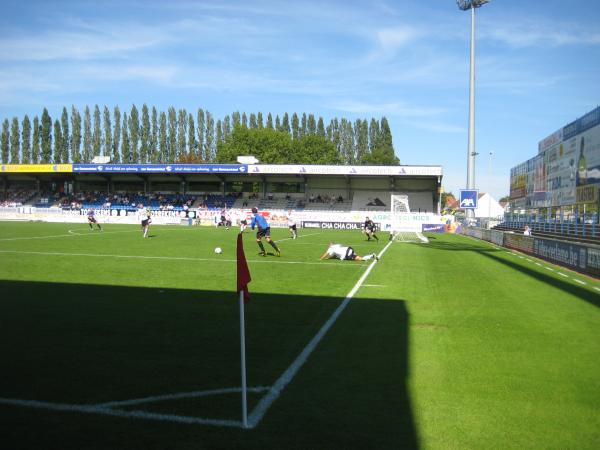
<point x="454" y="344"/>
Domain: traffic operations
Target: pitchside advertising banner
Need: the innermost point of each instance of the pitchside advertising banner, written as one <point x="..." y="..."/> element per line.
<point x="35" y="168"/>
<point x="160" y="168"/>
<point x="346" y="170"/>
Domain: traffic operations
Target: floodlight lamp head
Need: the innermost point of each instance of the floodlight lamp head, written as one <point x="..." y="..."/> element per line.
<point x="468" y="4"/>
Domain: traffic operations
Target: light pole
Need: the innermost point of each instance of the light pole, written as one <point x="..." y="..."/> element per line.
<point x="489" y="194"/>
<point x="472" y="5"/>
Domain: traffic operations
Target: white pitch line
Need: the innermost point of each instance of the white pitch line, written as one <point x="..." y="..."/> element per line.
<point x="549" y="268"/>
<point x="168" y="397"/>
<point x="579" y="281"/>
<point x="373" y="285"/>
<point x="265" y="403"/>
<point x="597" y="288"/>
<point x="562" y="274"/>
<point x="119" y="413"/>
<point x="538" y="264"/>
<point x="178" y="258"/>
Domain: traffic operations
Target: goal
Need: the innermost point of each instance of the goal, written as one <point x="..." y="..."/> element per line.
<point x="402" y="228"/>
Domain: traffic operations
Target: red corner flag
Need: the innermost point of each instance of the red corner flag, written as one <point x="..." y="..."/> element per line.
<point x="243" y="274"/>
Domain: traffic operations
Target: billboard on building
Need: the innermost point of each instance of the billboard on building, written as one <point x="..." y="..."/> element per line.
<point x="566" y="170"/>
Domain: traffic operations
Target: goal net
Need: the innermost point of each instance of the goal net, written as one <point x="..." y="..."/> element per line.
<point x="402" y="229"/>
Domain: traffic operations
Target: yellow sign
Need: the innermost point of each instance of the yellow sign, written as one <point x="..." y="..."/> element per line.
<point x="587" y="194"/>
<point x="35" y="168"/>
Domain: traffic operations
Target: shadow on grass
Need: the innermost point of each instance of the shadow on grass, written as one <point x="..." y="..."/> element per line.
<point x="497" y="255"/>
<point x="88" y="344"/>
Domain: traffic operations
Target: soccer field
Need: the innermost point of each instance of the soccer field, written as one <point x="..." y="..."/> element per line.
<point x="113" y="341"/>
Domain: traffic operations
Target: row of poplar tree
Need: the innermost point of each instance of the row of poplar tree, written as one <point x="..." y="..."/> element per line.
<point x="178" y="136"/>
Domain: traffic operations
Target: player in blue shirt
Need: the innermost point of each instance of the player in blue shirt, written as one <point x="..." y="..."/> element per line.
<point x="92" y="219"/>
<point x="264" y="231"/>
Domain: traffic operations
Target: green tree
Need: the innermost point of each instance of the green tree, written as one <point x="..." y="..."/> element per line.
<point x="253" y="121"/>
<point x="259" y="120"/>
<point x="373" y="135"/>
<point x="181" y="135"/>
<point x="236" y="119"/>
<point x="321" y="127"/>
<point x="46" y="137"/>
<point x="244" y="120"/>
<point x="5" y="141"/>
<point x="87" y="136"/>
<point x="15" y="142"/>
<point x="154" y="137"/>
<point x="192" y="137"/>
<point x="134" y="134"/>
<point x="303" y="126"/>
<point x="108" y="133"/>
<point x="269" y="121"/>
<point x="277" y="123"/>
<point x="268" y="145"/>
<point x="58" y="143"/>
<point x="145" y="151"/>
<point x="75" y="135"/>
<point x="26" y="140"/>
<point x="227" y="126"/>
<point x="125" y="143"/>
<point x="347" y="151"/>
<point x="172" y="143"/>
<point x="311" y="124"/>
<point x="219" y="131"/>
<point x="97" y="136"/>
<point x="295" y="126"/>
<point x="210" y="144"/>
<point x="163" y="146"/>
<point x="65" y="147"/>
<point x="35" y="143"/>
<point x="361" y="133"/>
<point x="315" y="149"/>
<point x="116" y="151"/>
<point x="285" y="124"/>
<point x="201" y="123"/>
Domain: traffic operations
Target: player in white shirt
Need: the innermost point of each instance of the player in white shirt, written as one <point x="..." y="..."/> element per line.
<point x="345" y="253"/>
<point x="292" y="225"/>
<point x="144" y="215"/>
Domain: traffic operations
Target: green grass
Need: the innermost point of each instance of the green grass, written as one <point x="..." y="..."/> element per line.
<point x="451" y="345"/>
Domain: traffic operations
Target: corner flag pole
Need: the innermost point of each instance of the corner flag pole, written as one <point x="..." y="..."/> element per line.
<point x="243" y="278"/>
<point x="243" y="355"/>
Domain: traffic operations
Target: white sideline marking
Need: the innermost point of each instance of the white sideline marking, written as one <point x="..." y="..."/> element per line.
<point x="373" y="285"/>
<point x="562" y="274"/>
<point x="579" y="281"/>
<point x="597" y="288"/>
<point x="166" y="397"/>
<point x="538" y="264"/>
<point x="527" y="259"/>
<point x="174" y="258"/>
<point x="119" y="412"/>
<point x="107" y="408"/>
<point x="71" y="233"/>
<point x="549" y="268"/>
<point x="265" y="403"/>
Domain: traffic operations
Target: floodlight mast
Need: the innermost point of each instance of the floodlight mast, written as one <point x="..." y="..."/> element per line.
<point x="465" y="5"/>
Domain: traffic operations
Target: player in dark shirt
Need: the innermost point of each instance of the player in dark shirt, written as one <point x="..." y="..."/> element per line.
<point x="92" y="219"/>
<point x="369" y="229"/>
<point x="264" y="231"/>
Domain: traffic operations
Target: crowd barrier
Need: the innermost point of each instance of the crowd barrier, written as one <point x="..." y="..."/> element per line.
<point x="584" y="258"/>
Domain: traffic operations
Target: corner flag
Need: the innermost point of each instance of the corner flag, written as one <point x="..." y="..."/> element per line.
<point x="243" y="274"/>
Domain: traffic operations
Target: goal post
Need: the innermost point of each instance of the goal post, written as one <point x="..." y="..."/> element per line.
<point x="402" y="229"/>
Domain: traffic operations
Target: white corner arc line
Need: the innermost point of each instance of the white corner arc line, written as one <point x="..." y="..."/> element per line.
<point x="265" y="403"/>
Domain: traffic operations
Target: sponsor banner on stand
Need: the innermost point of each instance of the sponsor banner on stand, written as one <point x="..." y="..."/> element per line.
<point x="160" y="168"/>
<point x="35" y="168"/>
<point x="335" y="225"/>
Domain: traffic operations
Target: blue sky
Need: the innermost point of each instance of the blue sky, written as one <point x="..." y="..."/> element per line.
<point x="538" y="67"/>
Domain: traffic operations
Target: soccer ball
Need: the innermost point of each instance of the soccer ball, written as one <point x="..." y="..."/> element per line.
<point x="218" y="250"/>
